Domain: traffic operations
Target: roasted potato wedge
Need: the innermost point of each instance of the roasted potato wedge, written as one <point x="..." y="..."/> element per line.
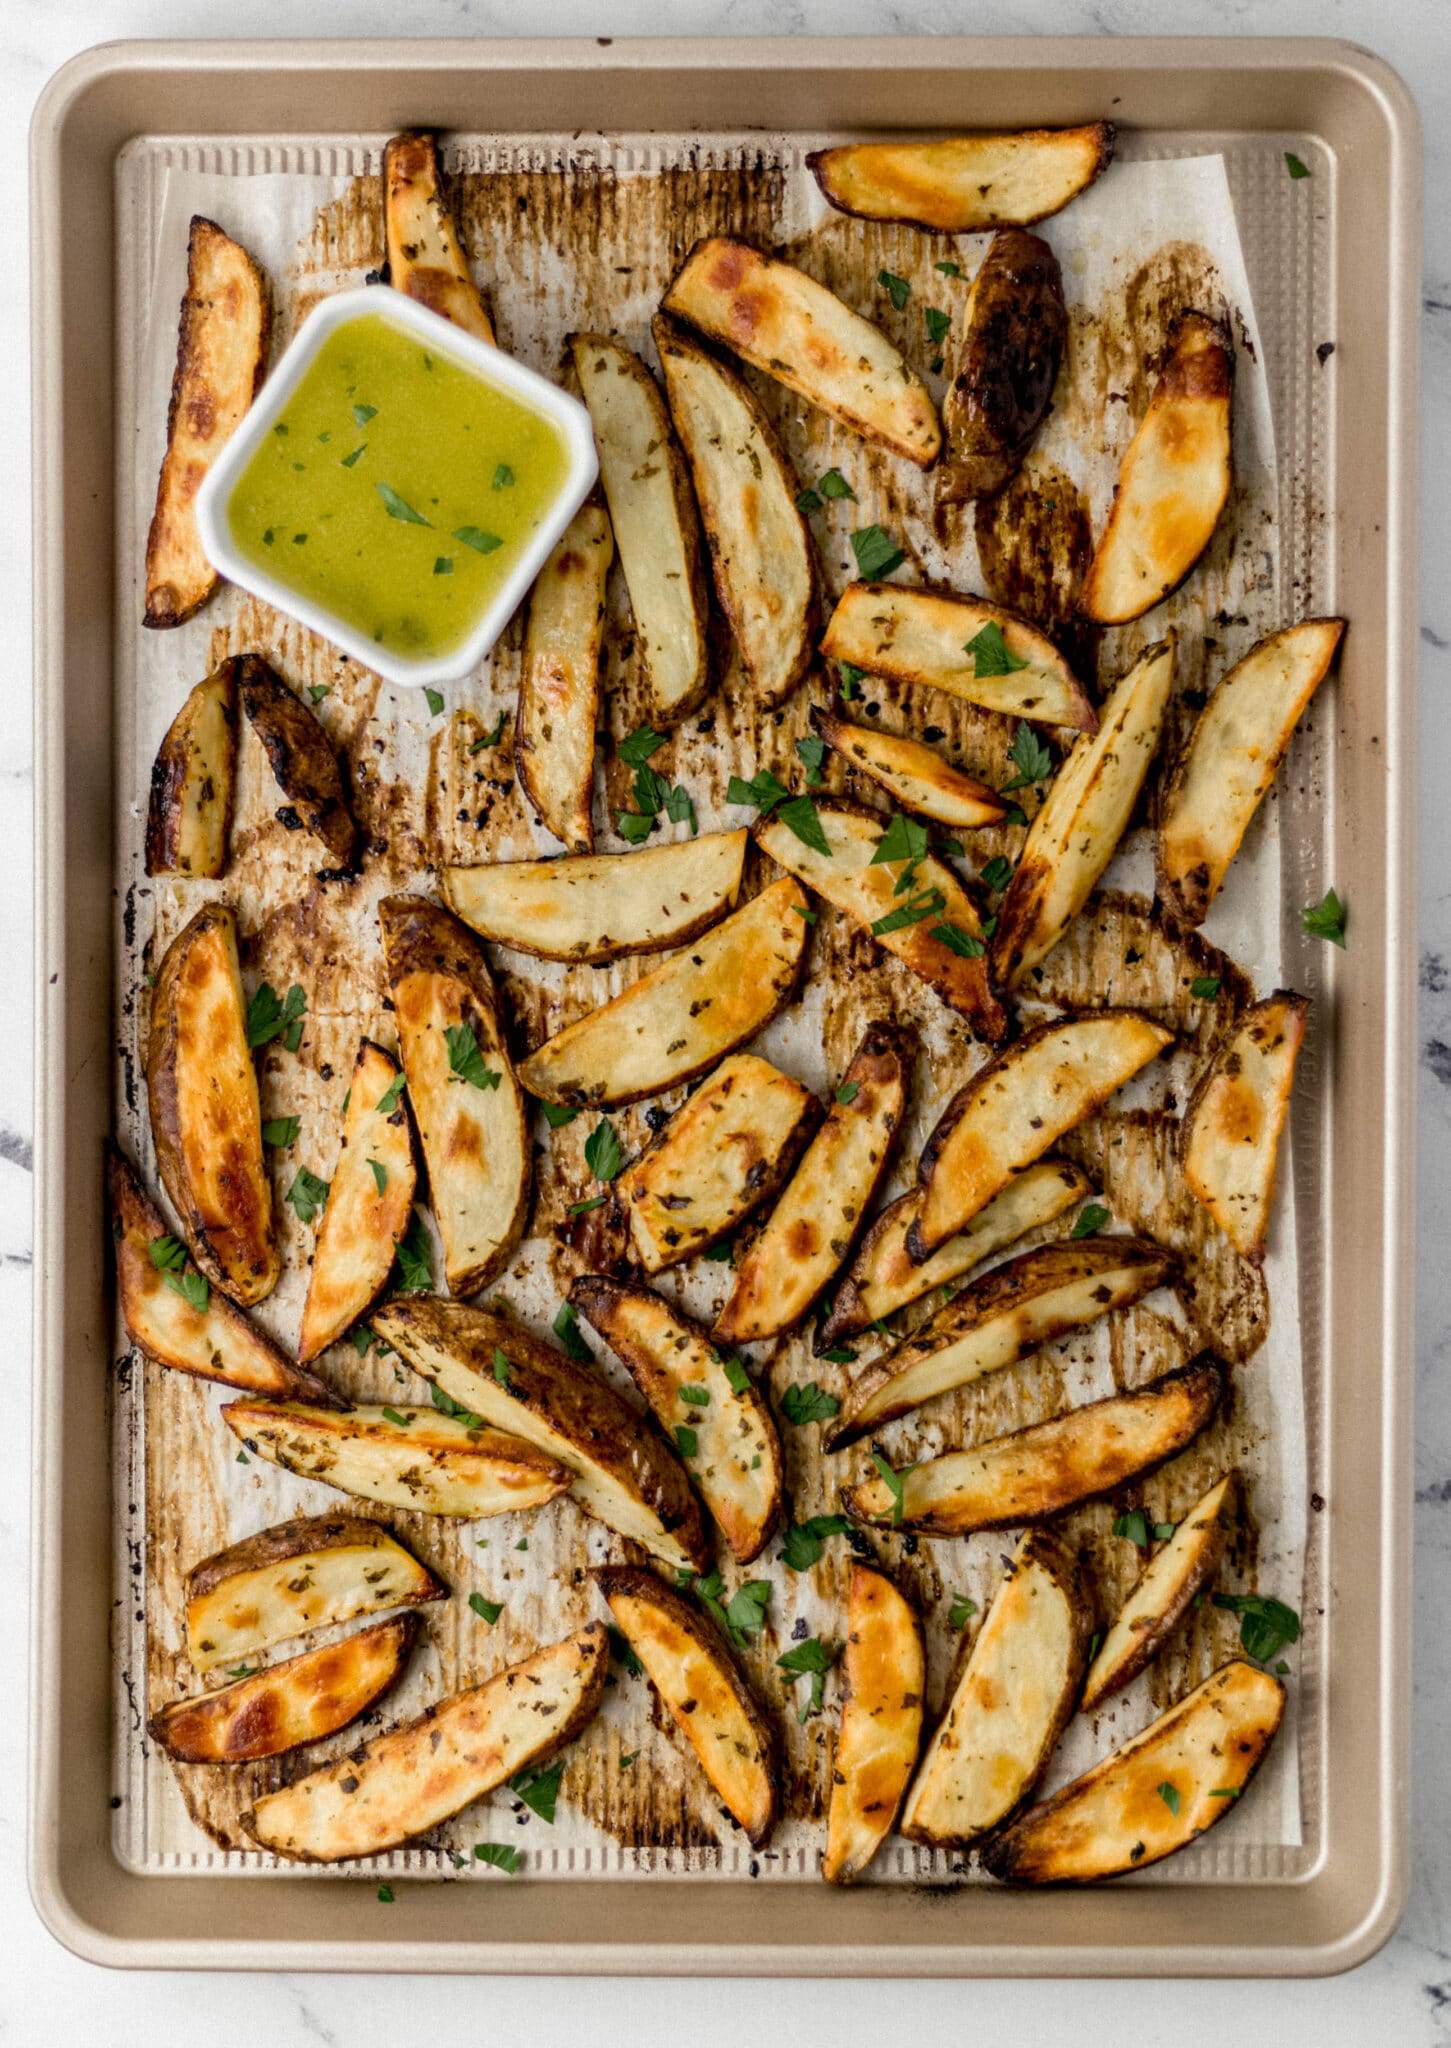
<point x="1035" y="1473"/>
<point x="683" y="1016"/>
<point x="1010" y="1312"/>
<point x="850" y="876"/>
<point x="811" y="1230"/>
<point x="761" y="554"/>
<point x="369" y="1204"/>
<point x="413" y="1778"/>
<point x="914" y="774"/>
<point x="599" y="907"/>
<point x="1084" y="815"/>
<point x="1173" y="482"/>
<point x="1011" y="1111"/>
<point x="301" y="759"/>
<point x="206" y="1121"/>
<point x="885" y="1667"/>
<point x="307" y="1697"/>
<point x="404" y="1457"/>
<point x="559" y="680"/>
<point x="695" y="1675"/>
<point x="1116" y="1818"/>
<point x="221" y="358"/>
<point x="1230" y="1142"/>
<point x="785" y="323"/>
<point x="1014" y="334"/>
<point x="926" y="636"/>
<point x="965" y="182"/>
<point x="192" y="779"/>
<point x="426" y="261"/>
<point x="624" y="1475"/>
<point x="736" y="1459"/>
<point x="1012" y="1700"/>
<point x="1171" y="1579"/>
<point x="309" y="1573"/>
<point x="657" y="529"/>
<point x="1231" y="759"/>
<point x="461" y="1083"/>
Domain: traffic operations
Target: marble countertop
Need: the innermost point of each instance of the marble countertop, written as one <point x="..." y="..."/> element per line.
<point x="1401" y="1998"/>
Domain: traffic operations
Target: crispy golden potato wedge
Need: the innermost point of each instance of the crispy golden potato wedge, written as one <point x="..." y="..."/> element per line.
<point x="206" y="1121"/>
<point x="1011" y="1111"/>
<point x="266" y="1713"/>
<point x="1230" y="1142"/>
<point x="785" y="323"/>
<point x="761" y="554"/>
<point x="913" y="774"/>
<point x="1231" y="759"/>
<point x="883" y="1278"/>
<point x="413" y="1778"/>
<point x="926" y="636"/>
<point x="301" y="759"/>
<point x="599" y="907"/>
<point x="1014" y="333"/>
<point x="624" y="1473"/>
<point x="1117" y="1817"/>
<point x="1012" y="1700"/>
<point x="221" y="358"/>
<point x="811" y="1230"/>
<point x="461" y="1083"/>
<point x="426" y="261"/>
<point x="192" y="780"/>
<point x="657" y="528"/>
<point x="885" y="1668"/>
<point x="369" y="1204"/>
<point x="1010" y="1312"/>
<point x="683" y="1016"/>
<point x="1172" y="1578"/>
<point x="850" y="877"/>
<point x="730" y="1446"/>
<point x="1035" y="1473"/>
<point x="695" y="1675"/>
<point x="1173" y="482"/>
<point x="404" y="1457"/>
<point x="559" y="680"/>
<point x="309" y="1573"/>
<point x="1084" y="815"/>
<point x="965" y="182"/>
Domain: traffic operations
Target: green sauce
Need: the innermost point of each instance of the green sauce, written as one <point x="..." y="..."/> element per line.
<point x="397" y="490"/>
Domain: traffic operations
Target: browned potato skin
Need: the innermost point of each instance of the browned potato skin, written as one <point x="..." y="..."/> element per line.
<point x="1148" y="1642"/>
<point x="221" y="358"/>
<point x="953" y="211"/>
<point x="303" y="1699"/>
<point x="1006" y="367"/>
<point x="885" y="1660"/>
<point x="1283" y="1017"/>
<point x="414" y="207"/>
<point x="192" y="780"/>
<point x="303" y="762"/>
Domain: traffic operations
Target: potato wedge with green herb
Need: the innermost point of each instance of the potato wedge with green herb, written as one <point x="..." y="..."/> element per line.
<point x="721" y="1423"/>
<point x="1009" y="1313"/>
<point x="1155" y="1795"/>
<point x="683" y="1016"/>
<point x="369" y="1203"/>
<point x="1230" y="1141"/>
<point x="426" y="261"/>
<point x="885" y="1668"/>
<point x="1014" y="332"/>
<point x="462" y="1087"/>
<point x="914" y="774"/>
<point x="1173" y="481"/>
<point x="688" y="1664"/>
<point x="963" y="645"/>
<point x="1083" y="817"/>
<point x="1036" y="1473"/>
<point x="302" y="761"/>
<point x="964" y="183"/>
<point x="624" y="1473"/>
<point x="1012" y="1700"/>
<point x="761" y="554"/>
<point x="1172" y="1578"/>
<point x="1013" y="1110"/>
<point x="1231" y="759"/>
<point x="931" y="927"/>
<point x="559" y="680"/>
<point x="411" y="1458"/>
<point x="415" y="1777"/>
<point x="190" y="811"/>
<point x="206" y="1122"/>
<point x="600" y="907"/>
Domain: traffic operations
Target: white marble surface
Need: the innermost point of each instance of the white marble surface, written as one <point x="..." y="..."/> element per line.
<point x="1402" y="1998"/>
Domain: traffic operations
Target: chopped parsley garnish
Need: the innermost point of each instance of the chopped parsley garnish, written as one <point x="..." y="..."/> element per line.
<point x="475" y="537"/>
<point x="800" y="815"/>
<point x="397" y="1418"/>
<point x="503" y="1371"/>
<point x="1266" y="1625"/>
<point x="380" y="1175"/>
<point x="1030" y="757"/>
<point x="357" y="455"/>
<point x="928" y="904"/>
<point x="491" y="738"/>
<point x="629" y="1758"/>
<point x="604" y="1155"/>
<point x="446" y="1405"/>
<point x="503" y="477"/>
<point x="539" y="1790"/>
<point x="168" y="1256"/>
<point x="809" y="1403"/>
<point x="1134" y="1527"/>
<point x="848" y="1092"/>
<point x="949" y="269"/>
<point x="960" y="1613"/>
<point x="835" y="485"/>
<point x="1226" y="1792"/>
<point x="737" y="1378"/>
<point x="997" y="874"/>
<point x="763" y="791"/>
<point x="806" y="1541"/>
<point x="487" y="1610"/>
<point x="385" y="1895"/>
<point x="991" y="653"/>
<point x="317" y="691"/>
<point x="904" y="839"/>
<point x="1294" y="165"/>
<point x="388" y="1101"/>
<point x="1169" y="1794"/>
<point x="566" y="1329"/>
<point x="1091" y="1217"/>
<point x="808" y="501"/>
<point x="363" y="1338"/>
<point x="415" y="1258"/>
<point x="811" y="753"/>
<point x="465" y="1061"/>
<point x="877" y="554"/>
<point x="636" y="749"/>
<point x="623" y="1651"/>
<point x="635" y="826"/>
<point x="851" y="678"/>
<point x="443" y="565"/>
<point x="1326" y="919"/>
<point x="267" y="1018"/>
<point x="306" y="1195"/>
<point x="694" y="1395"/>
<point x="363" y="413"/>
<point x="434" y="699"/>
<point x="810" y="1659"/>
<point x="721" y="1254"/>
<point x="583" y="1208"/>
<point x="894" y="1482"/>
<point x="840" y="1354"/>
<point x="686" y="1440"/>
<point x="244" y="1670"/>
<point x="746" y="1613"/>
<point x="897" y="289"/>
<point x="938" y="325"/>
<point x="966" y="945"/>
<point x="557" y="1114"/>
<point x="399" y="508"/>
<point x="1164" y="1530"/>
<point x="499" y="1855"/>
<point x="1205" y="988"/>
